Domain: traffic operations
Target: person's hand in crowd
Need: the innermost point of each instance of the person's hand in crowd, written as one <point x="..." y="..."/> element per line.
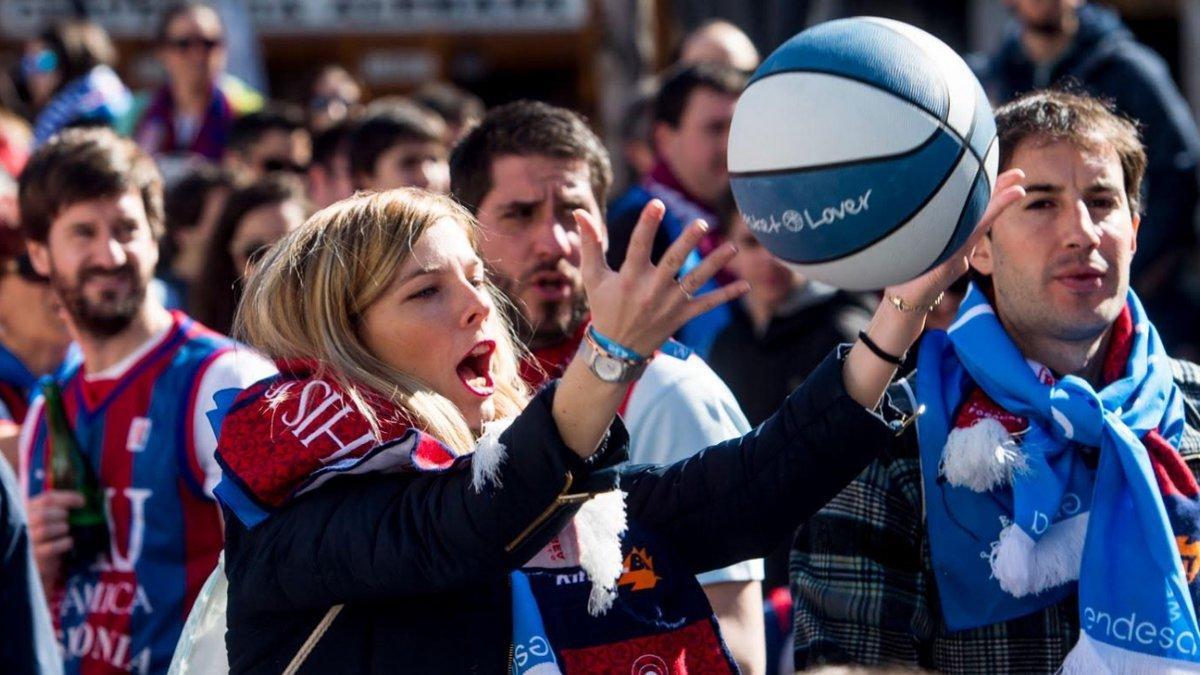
<point x="894" y="330"/>
<point x="643" y="304"/>
<point x="50" y="532"/>
<point x="637" y="307"/>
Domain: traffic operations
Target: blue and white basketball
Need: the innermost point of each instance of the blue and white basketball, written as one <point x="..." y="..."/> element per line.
<point x="863" y="151"/>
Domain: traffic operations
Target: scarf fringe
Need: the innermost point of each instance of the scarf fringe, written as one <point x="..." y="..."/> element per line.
<point x="599" y="525"/>
<point x="489" y="454"/>
<point x="1092" y="657"/>
<point x="981" y="457"/>
<point x="1025" y="567"/>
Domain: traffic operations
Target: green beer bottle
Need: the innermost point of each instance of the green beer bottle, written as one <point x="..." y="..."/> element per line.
<point x="70" y="470"/>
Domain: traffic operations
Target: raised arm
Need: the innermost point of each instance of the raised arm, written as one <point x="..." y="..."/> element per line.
<point x="638" y="307"/>
<point x="738" y="499"/>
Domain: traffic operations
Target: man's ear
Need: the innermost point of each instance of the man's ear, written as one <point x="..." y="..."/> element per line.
<point x="981" y="258"/>
<point x="39" y="255"/>
<point x="1137" y="222"/>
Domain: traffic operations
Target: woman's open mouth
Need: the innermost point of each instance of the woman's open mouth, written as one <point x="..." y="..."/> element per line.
<point x="475" y="369"/>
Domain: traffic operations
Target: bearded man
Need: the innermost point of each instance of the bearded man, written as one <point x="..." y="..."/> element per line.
<point x="143" y="408"/>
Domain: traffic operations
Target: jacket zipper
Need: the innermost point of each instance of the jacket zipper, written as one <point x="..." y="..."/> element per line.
<point x="563" y="499"/>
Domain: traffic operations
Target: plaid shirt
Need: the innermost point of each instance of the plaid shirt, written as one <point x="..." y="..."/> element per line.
<point x="863" y="581"/>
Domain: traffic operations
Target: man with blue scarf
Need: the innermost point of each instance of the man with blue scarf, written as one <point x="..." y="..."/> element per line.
<point x="1043" y="512"/>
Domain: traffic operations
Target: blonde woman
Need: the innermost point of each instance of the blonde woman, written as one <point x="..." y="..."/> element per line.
<point x="396" y="501"/>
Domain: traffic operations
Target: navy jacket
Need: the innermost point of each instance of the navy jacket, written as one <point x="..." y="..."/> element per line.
<point x="421" y="562"/>
<point x="1106" y="61"/>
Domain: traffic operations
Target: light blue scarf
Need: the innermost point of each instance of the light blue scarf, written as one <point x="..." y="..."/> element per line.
<point x="1005" y="550"/>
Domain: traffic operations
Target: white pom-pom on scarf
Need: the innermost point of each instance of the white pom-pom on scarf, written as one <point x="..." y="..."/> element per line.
<point x="489" y="454"/>
<point x="981" y="457"/>
<point x="599" y="525"/>
<point x="1025" y="567"/>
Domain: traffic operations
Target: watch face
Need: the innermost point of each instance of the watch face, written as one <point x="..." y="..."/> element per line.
<point x="608" y="369"/>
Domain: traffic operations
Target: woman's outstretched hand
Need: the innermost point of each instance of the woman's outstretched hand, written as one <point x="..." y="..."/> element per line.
<point x="642" y="304"/>
<point x="638" y="307"/>
<point x="867" y="376"/>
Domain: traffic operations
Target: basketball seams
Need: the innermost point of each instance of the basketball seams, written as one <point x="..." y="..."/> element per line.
<point x="982" y="170"/>
<point x="937" y="131"/>
<point x="907" y="222"/>
<point x="965" y="142"/>
<point x="909" y="68"/>
<point x="902" y="222"/>
<point x="768" y="130"/>
<point x="943" y="80"/>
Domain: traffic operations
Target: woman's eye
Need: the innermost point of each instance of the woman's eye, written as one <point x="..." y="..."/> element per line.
<point x="478" y="282"/>
<point x="424" y="293"/>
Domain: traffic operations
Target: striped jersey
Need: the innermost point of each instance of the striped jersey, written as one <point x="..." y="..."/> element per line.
<point x="145" y="426"/>
<point x="17" y="384"/>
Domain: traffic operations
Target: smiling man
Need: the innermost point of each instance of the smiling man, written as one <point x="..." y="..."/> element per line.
<point x="1047" y="492"/>
<point x="141" y="407"/>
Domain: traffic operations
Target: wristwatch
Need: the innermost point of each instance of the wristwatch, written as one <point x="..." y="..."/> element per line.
<point x="607" y="366"/>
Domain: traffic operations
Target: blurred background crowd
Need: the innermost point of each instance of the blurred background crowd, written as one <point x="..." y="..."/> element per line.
<point x="259" y="112"/>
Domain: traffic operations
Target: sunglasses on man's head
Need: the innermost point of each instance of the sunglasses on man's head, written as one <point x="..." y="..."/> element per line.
<point x="22" y="266"/>
<point x="186" y="43"/>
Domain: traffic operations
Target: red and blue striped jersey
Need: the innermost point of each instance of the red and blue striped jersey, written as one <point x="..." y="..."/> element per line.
<point x="141" y="426"/>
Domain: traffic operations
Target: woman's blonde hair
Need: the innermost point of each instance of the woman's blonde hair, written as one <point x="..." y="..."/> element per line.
<point x="307" y="295"/>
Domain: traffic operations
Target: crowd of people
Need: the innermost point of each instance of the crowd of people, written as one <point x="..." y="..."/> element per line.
<point x="411" y="385"/>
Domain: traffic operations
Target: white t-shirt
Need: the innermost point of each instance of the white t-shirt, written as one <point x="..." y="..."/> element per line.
<point x="678" y="408"/>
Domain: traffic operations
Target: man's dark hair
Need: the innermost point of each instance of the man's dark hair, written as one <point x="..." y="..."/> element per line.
<point x="177" y="10"/>
<point x="386" y="127"/>
<point x="679" y="83"/>
<point x="80" y="46"/>
<point x="78" y="165"/>
<point x="457" y="106"/>
<point x="248" y="129"/>
<point x="525" y="128"/>
<point x="1083" y="121"/>
<point x="332" y="142"/>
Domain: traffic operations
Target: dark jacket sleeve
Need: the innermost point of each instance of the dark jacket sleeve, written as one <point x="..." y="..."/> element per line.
<point x="739" y="499"/>
<point x="380" y="537"/>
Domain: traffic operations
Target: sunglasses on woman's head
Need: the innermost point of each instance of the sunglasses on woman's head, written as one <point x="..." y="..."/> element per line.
<point x="186" y="43"/>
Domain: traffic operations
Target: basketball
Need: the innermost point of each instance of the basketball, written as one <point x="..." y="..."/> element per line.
<point x="863" y="151"/>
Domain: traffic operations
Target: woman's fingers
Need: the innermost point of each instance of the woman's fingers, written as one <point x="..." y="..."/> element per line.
<point x="592" y="263"/>
<point x="714" y="299"/>
<point x="708" y="268"/>
<point x="677" y="254"/>
<point x="641" y="241"/>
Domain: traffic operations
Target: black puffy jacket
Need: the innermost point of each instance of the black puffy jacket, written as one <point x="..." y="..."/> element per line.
<point x="421" y="562"/>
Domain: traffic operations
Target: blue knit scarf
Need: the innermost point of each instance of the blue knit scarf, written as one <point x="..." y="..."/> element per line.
<point x="1058" y="522"/>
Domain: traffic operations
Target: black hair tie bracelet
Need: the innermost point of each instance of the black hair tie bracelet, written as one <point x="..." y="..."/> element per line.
<point x="878" y="351"/>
